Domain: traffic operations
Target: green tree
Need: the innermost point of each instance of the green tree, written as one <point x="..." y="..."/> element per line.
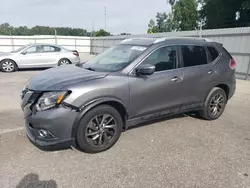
<point x="101" y="32"/>
<point x="152" y="27"/>
<point x="185" y="15"/>
<point x="225" y="13"/>
<point x="7" y="29"/>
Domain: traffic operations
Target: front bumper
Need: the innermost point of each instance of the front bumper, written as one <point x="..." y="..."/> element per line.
<point x="58" y="122"/>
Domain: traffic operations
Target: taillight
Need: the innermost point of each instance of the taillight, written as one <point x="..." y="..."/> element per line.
<point x="232" y="64"/>
<point x="76" y="53"/>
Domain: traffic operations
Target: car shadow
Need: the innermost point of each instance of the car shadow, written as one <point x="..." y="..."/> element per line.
<point x="32" y="181"/>
<point x="32" y="69"/>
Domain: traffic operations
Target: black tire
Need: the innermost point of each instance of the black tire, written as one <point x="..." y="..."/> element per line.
<point x="88" y="126"/>
<point x="64" y="61"/>
<point x="8" y="65"/>
<point x="213" y="110"/>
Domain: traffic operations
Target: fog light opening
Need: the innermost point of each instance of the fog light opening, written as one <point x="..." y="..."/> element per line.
<point x="43" y="133"/>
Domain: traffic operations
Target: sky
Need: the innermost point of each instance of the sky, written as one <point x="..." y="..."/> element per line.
<point x="122" y="16"/>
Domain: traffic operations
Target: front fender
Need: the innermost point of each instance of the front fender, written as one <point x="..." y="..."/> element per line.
<point x="88" y="106"/>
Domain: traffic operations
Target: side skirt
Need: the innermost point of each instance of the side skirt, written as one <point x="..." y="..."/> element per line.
<point x="161" y="114"/>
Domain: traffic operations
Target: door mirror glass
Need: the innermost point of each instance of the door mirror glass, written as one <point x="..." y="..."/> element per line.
<point x="145" y="69"/>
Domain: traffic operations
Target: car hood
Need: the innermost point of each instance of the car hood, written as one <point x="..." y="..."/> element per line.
<point x="61" y="77"/>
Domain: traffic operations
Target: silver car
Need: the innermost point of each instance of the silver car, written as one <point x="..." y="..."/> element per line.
<point x="37" y="56"/>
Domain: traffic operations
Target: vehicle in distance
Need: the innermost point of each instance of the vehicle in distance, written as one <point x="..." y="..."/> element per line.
<point x="88" y="105"/>
<point x="37" y="56"/>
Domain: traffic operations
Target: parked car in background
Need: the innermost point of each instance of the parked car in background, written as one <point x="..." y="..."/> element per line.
<point x="37" y="56"/>
<point x="136" y="81"/>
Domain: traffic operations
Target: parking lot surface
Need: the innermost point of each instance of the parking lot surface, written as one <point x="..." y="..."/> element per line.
<point x="181" y="151"/>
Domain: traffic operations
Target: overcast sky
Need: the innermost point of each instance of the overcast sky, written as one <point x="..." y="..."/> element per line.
<point x="122" y="15"/>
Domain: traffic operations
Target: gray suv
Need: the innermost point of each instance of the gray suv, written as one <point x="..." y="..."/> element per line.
<point x="88" y="105"/>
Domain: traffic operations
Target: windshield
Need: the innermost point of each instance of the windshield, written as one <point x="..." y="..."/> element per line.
<point x="115" y="58"/>
<point x="19" y="49"/>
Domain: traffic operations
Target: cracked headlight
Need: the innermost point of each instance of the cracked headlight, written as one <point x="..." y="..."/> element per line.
<point x="50" y="100"/>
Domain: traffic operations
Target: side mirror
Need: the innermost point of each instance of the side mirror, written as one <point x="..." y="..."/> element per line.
<point x="146" y="69"/>
<point x="24" y="52"/>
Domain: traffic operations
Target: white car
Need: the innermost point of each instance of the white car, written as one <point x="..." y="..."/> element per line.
<point x="37" y="56"/>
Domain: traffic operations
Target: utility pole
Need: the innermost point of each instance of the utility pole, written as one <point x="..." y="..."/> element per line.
<point x="92" y="28"/>
<point x="105" y="19"/>
<point x="172" y="2"/>
<point x="55" y="36"/>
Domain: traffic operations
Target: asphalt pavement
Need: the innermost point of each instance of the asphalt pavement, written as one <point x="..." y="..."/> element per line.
<point x="181" y="151"/>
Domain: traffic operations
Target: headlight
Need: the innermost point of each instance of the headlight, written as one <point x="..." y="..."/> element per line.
<point x="50" y="99"/>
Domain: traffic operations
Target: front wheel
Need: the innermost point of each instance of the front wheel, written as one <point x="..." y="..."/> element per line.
<point x="215" y="104"/>
<point x="99" y="129"/>
<point x="8" y="66"/>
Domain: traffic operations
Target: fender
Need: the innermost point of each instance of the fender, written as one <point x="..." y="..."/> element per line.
<point x="88" y="106"/>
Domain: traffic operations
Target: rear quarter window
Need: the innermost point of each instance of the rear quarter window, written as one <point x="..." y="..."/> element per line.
<point x="213" y="52"/>
<point x="193" y="55"/>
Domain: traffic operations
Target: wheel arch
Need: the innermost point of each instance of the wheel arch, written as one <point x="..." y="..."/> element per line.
<point x="115" y="103"/>
<point x="225" y="87"/>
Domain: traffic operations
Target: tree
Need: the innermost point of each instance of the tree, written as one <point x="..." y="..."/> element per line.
<point x="7" y="29"/>
<point x="101" y="32"/>
<point x="152" y="27"/>
<point x="225" y="13"/>
<point x="185" y="15"/>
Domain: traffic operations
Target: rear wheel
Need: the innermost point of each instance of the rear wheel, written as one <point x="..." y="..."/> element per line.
<point x="99" y="129"/>
<point x="214" y="105"/>
<point x="8" y="65"/>
<point x="63" y="61"/>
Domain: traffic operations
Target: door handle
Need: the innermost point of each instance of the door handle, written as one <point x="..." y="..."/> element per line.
<point x="176" y="79"/>
<point x="210" y="72"/>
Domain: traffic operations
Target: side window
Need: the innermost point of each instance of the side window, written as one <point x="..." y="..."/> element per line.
<point x="193" y="55"/>
<point x="163" y="58"/>
<point x="51" y="49"/>
<point x="213" y="52"/>
<point x="35" y="49"/>
<point x="31" y="50"/>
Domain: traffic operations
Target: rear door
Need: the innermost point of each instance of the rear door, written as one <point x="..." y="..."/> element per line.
<point x="199" y="74"/>
<point x="51" y="55"/>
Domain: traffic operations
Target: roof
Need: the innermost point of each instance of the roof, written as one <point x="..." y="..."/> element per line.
<point x="150" y="41"/>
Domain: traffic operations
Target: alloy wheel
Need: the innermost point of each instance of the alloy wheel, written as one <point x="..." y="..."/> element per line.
<point x="217" y="104"/>
<point x="101" y="130"/>
<point x="8" y="66"/>
<point x="64" y="62"/>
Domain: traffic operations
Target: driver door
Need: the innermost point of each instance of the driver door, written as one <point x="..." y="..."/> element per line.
<point x="159" y="91"/>
<point x="32" y="57"/>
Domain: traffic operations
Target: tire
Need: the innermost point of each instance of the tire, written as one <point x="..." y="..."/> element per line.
<point x="8" y="65"/>
<point x="108" y="130"/>
<point x="215" y="104"/>
<point x="64" y="61"/>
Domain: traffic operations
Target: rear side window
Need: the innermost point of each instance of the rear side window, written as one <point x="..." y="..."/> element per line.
<point x="51" y="49"/>
<point x="213" y="52"/>
<point x="193" y="55"/>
